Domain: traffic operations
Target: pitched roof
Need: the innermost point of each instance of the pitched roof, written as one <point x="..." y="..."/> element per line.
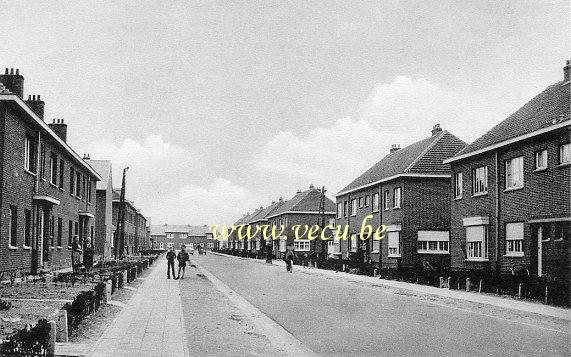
<point x="422" y="157"/>
<point x="265" y="212"/>
<point x="549" y="109"/>
<point x="163" y="229"/>
<point x="306" y="201"/>
<point x="103" y="168"/>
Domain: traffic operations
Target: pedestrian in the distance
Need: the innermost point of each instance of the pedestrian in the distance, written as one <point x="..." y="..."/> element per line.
<point x="289" y="258"/>
<point x="88" y="252"/>
<point x="171" y="256"/>
<point x="182" y="259"/>
<point x="304" y="260"/>
<point x="76" y="254"/>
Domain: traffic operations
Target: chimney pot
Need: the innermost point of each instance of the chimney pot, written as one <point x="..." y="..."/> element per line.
<point x="34" y="97"/>
<point x="394" y="147"/>
<point x="11" y="70"/>
<point x="39" y="97"/>
<point x="29" y="97"/>
<point x="17" y="72"/>
<point x="6" y="71"/>
<point x="436" y="129"/>
<point x="566" y="71"/>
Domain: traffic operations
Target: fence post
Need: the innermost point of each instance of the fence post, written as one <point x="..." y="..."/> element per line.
<point x="375" y="272"/>
<point x="545" y="295"/>
<point x="51" y="347"/>
<point x="108" y="286"/>
<point x="519" y="291"/>
<point x="468" y="284"/>
<point x="480" y="287"/>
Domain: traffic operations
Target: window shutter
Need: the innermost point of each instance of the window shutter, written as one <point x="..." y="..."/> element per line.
<point x="514" y="231"/>
<point x="475" y="234"/>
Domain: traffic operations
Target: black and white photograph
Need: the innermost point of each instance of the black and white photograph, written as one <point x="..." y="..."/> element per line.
<point x="285" y="178"/>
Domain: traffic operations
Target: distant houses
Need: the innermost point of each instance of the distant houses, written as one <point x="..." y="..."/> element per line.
<point x="136" y="237"/>
<point x="165" y="236"/>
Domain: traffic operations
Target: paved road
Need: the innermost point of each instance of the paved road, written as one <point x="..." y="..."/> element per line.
<point x="334" y="317"/>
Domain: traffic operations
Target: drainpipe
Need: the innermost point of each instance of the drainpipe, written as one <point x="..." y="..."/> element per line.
<point x="380" y="203"/>
<point x="34" y="243"/>
<point x="497" y="208"/>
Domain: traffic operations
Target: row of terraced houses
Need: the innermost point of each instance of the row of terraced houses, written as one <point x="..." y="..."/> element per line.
<point x="49" y="193"/>
<point x="501" y="203"/>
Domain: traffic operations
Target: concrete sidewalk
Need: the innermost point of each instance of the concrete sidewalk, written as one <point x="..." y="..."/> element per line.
<point x="498" y="301"/>
<point x="151" y="323"/>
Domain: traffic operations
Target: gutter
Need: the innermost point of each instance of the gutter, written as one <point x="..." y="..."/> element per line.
<point x="497" y="204"/>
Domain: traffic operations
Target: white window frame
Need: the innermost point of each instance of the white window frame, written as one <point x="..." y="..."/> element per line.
<point x="283" y="244"/>
<point x="458" y="185"/>
<point x="170" y="235"/>
<point x="375" y="202"/>
<point x="376" y="246"/>
<point x="541" y="160"/>
<point x="433" y="242"/>
<point x="353" y="207"/>
<point x="480" y="181"/>
<point x="367" y="200"/>
<point x="514" y="173"/>
<point x="394" y="249"/>
<point x="29" y="156"/>
<point x="353" y="243"/>
<point x="332" y="222"/>
<point x="161" y="245"/>
<point x="565" y="154"/>
<point x="169" y="245"/>
<point x="333" y="247"/>
<point x="514" y="239"/>
<point x="53" y="169"/>
<point x="386" y="195"/>
<point x="339" y="210"/>
<point x="477" y="249"/>
<point x="360" y="202"/>
<point x="302" y="245"/>
<point x="397" y="197"/>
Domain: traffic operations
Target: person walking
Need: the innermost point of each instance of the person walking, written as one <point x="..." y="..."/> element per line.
<point x="75" y="255"/>
<point x="182" y="258"/>
<point x="88" y="252"/>
<point x="289" y="258"/>
<point x="171" y="256"/>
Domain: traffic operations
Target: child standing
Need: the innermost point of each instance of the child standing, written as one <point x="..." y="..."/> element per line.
<point x="171" y="255"/>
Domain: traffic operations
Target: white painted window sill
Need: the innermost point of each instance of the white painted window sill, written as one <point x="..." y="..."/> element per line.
<point x="26" y="247"/>
<point x="509" y="189"/>
<point x="477" y="260"/>
<point x="514" y="255"/>
<point x="433" y="252"/>
<point x="30" y="172"/>
<point x="375" y="252"/>
<point x="480" y="194"/>
<point x="12" y="247"/>
<point x="563" y="164"/>
<point x="540" y="169"/>
<point x="457" y="198"/>
<point x="394" y="256"/>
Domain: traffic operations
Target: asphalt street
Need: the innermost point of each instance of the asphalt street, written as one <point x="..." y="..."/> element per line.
<point x="334" y="317"/>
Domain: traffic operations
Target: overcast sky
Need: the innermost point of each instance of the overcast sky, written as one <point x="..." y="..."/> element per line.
<point x="220" y="107"/>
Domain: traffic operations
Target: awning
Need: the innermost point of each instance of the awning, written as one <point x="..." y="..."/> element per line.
<point x="46" y="198"/>
<point x="86" y="214"/>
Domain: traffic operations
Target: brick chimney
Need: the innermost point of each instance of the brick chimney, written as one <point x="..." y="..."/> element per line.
<point x="13" y="81"/>
<point x="37" y="105"/>
<point x="566" y="72"/>
<point x="394" y="147"/>
<point x="60" y="128"/>
<point x="436" y="129"/>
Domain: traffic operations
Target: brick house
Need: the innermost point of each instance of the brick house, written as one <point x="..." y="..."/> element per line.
<point x="510" y="192"/>
<point x="135" y="225"/>
<point x="408" y="191"/>
<point x="104" y="228"/>
<point x="47" y="189"/>
<point x="260" y="217"/>
<point x="302" y="209"/>
<point x="166" y="235"/>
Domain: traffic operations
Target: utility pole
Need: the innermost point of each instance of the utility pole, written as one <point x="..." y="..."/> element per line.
<point x="322" y="223"/>
<point x="120" y="246"/>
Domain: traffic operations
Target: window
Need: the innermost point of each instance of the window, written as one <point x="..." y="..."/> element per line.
<point x="397" y="198"/>
<point x="77" y="184"/>
<point x="458" y="185"/>
<point x="170" y="235"/>
<point x="61" y="169"/>
<point x="170" y="245"/>
<point x="71" y="181"/>
<point x="360" y="202"/>
<point x="89" y="183"/>
<point x="91" y="233"/>
<point x="53" y="169"/>
<point x="565" y="154"/>
<point x="376" y="248"/>
<point x="210" y="245"/>
<point x="161" y="245"/>
<point x="541" y="160"/>
<point x="84" y="189"/>
<point x="514" y="173"/>
<point x="59" y="231"/>
<point x="283" y="244"/>
<point x="76" y="228"/>
<point x="476" y="242"/>
<point x="339" y="210"/>
<point x="480" y="180"/>
<point x="302" y="245"/>
<point x="367" y="200"/>
<point x="69" y="233"/>
<point x="435" y="242"/>
<point x="13" y="227"/>
<point x="386" y="200"/>
<point x="345" y="208"/>
<point x="353" y="242"/>
<point x="333" y="247"/>
<point x="353" y="207"/>
<point x="514" y="239"/>
<point x="52" y="231"/>
<point x="332" y="222"/>
<point x="394" y="243"/>
<point x="375" y="202"/>
<point x="27" y="228"/>
<point x="43" y="161"/>
<point x="30" y="155"/>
